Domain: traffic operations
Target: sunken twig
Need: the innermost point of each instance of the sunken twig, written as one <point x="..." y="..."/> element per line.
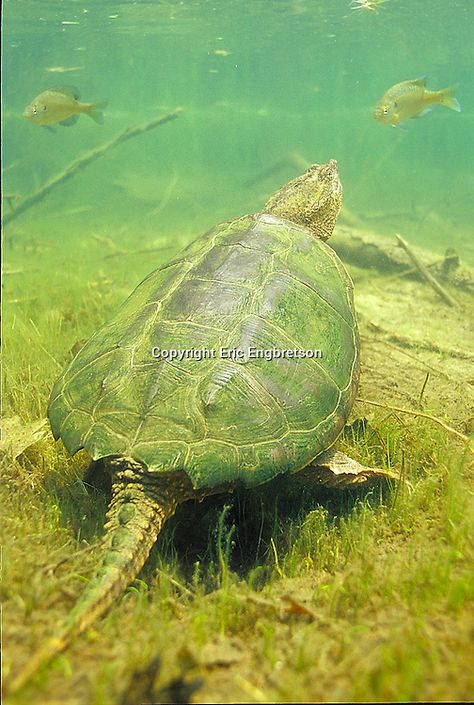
<point x="86" y="159"/>
<point x="425" y="273"/>
<point x="423" y="415"/>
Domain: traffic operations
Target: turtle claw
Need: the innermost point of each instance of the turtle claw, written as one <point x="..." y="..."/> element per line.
<point x="335" y="469"/>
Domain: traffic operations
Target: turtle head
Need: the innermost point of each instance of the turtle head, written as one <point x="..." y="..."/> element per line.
<point x="313" y="199"/>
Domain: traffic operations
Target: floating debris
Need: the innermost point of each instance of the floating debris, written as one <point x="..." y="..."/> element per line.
<point x="370" y="5"/>
<point x="221" y="52"/>
<point x="64" y="69"/>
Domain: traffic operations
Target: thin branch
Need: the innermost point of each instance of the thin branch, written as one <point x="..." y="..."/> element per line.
<point x="427" y="276"/>
<point x="86" y="159"/>
<point x="422" y="415"/>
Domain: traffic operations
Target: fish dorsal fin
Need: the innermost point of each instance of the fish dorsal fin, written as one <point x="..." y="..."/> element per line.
<point x="70" y="91"/>
<point x="419" y="81"/>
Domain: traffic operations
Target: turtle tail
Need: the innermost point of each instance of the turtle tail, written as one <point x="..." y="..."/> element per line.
<point x="135" y="516"/>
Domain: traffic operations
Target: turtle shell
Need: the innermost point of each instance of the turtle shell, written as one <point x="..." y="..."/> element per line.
<point x="258" y="283"/>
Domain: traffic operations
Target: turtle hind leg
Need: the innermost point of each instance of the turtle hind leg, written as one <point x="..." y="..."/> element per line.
<point x="336" y="469"/>
<point x="138" y="509"/>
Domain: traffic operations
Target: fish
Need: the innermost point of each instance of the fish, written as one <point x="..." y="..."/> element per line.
<point x="61" y="106"/>
<point x="411" y="99"/>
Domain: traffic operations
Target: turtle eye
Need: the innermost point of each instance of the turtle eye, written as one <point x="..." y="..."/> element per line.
<point x="34" y="111"/>
<point x="385" y="111"/>
<point x="43" y="108"/>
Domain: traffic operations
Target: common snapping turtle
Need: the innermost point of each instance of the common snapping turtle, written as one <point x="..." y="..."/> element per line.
<point x="175" y="426"/>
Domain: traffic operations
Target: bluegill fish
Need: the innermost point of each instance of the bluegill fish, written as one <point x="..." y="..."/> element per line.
<point x="61" y="106"/>
<point x="411" y="99"/>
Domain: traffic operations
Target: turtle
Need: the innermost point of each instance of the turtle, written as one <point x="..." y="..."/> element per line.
<point x="207" y="378"/>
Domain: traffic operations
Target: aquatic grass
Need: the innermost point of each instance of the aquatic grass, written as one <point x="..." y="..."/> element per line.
<point x="352" y="567"/>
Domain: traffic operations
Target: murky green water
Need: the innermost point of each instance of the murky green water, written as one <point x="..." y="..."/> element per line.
<point x="265" y="87"/>
<point x="263" y="84"/>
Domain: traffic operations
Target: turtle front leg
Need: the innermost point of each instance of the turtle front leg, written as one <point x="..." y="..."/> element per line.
<point x="335" y="469"/>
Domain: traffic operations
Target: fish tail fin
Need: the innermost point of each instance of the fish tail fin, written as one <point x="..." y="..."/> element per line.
<point x="446" y="97"/>
<point x="95" y="111"/>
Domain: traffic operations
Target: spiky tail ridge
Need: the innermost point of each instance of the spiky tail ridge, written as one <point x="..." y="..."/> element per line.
<point x="446" y="97"/>
<point x="136" y="514"/>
